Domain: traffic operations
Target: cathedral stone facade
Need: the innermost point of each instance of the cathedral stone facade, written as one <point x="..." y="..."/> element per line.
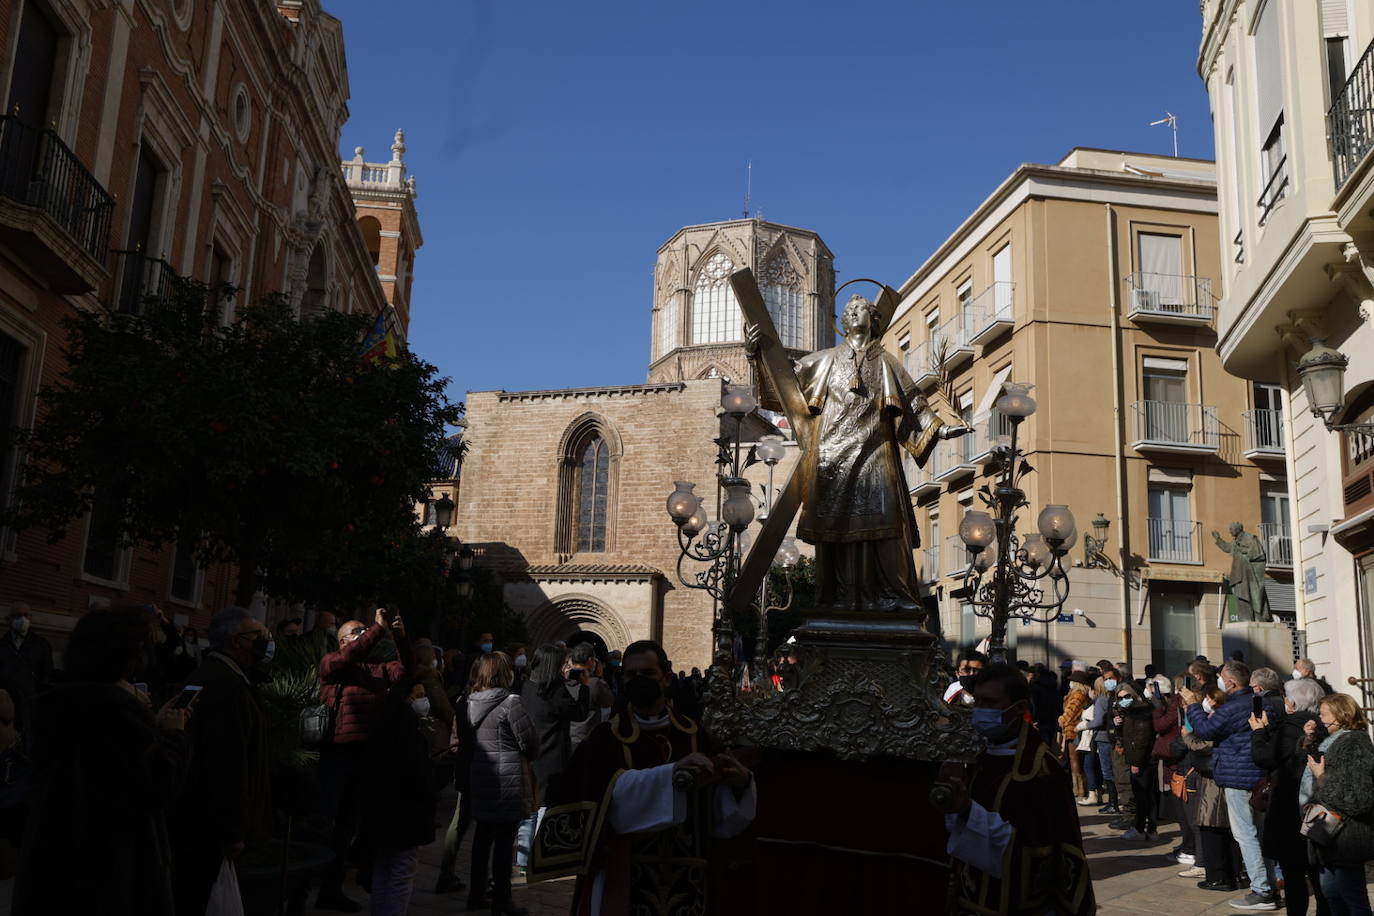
<point x="563" y="490"/>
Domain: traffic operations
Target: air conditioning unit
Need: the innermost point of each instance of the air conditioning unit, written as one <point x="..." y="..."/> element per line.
<point x="1144" y="300"/>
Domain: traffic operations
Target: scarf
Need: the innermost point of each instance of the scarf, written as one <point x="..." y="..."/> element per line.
<point x="1309" y="782"/>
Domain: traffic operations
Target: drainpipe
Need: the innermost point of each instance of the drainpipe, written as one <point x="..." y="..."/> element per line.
<point x="1123" y="533"/>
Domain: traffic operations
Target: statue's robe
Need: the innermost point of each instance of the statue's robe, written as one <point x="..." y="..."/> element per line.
<point x="1020" y="850"/>
<point x="1247" y="575"/>
<point x="856" y="508"/>
<point x="636" y="844"/>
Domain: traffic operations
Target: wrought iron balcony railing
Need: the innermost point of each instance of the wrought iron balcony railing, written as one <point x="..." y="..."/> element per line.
<point x="930" y="563"/>
<point x="1170" y="427"/>
<point x="951" y="458"/>
<point x="957" y="554"/>
<point x="1350" y="120"/>
<point x="1172" y="540"/>
<point x="1278" y="544"/>
<point x="1172" y="298"/>
<point x="141" y="281"/>
<point x="1263" y="432"/>
<point x="1274" y="190"/>
<point x="38" y="170"/>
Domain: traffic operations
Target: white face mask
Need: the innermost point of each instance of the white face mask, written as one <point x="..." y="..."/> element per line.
<point x="20" y="625"/>
<point x="1297" y="675"/>
<point x="421" y="706"/>
<point x="1207" y="707"/>
<point x="521" y="661"/>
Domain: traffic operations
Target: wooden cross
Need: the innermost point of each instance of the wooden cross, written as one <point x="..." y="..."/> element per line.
<point x="777" y="366"/>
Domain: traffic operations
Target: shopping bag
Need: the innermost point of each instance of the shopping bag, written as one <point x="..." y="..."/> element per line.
<point x="224" y="893"/>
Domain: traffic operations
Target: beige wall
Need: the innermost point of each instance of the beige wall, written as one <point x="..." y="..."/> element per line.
<point x="1059" y="226"/>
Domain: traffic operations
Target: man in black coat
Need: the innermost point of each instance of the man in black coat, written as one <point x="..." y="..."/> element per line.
<point x="25" y="661"/>
<point x="225" y="806"/>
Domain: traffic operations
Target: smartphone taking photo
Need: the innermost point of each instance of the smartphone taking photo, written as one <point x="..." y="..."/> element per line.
<point x="1257" y="705"/>
<point x="189" y="694"/>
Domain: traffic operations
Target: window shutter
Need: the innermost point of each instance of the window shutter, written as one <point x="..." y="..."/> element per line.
<point x="1335" y="23"/>
<point x="1268" y="68"/>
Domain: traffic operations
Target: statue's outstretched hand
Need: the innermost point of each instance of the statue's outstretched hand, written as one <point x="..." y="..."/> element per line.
<point x="954" y="431"/>
<point x="752" y="335"/>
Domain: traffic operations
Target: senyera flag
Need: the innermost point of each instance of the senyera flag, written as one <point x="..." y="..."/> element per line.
<point x="380" y="342"/>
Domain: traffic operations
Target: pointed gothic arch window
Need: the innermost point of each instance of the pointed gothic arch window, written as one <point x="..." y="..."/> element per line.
<point x="715" y="313"/>
<point x="669" y="318"/>
<point x="589" y="460"/>
<point x="783" y="295"/>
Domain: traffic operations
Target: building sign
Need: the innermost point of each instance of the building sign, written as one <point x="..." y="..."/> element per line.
<point x="1064" y="618"/>
<point x="1309" y="580"/>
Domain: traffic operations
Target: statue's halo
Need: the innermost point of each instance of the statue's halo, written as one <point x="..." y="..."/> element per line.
<point x="886" y="302"/>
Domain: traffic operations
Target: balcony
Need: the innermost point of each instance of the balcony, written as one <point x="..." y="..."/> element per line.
<point x="1185" y="429"/>
<point x="1263" y="433"/>
<point x="1350" y="120"/>
<point x="957" y="555"/>
<point x="989" y="314"/>
<point x="921" y="367"/>
<point x="1278" y="545"/>
<point x="952" y="347"/>
<point x="1171" y="540"/>
<point x="142" y="282"/>
<point x="1274" y="190"/>
<point x="951" y="459"/>
<point x="986" y="438"/>
<point x="930" y="564"/>
<point x="1170" y="299"/>
<point x="52" y="210"/>
<point x="918" y="479"/>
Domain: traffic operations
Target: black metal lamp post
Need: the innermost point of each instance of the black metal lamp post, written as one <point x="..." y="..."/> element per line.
<point x="1008" y="572"/>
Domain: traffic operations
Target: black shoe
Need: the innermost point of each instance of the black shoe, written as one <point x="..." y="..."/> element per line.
<point x="448" y="883"/>
<point x="1124" y="823"/>
<point x="337" y="902"/>
<point x="1109" y="809"/>
<point x="1216" y="886"/>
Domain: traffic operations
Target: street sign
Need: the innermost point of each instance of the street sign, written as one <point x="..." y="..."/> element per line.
<point x="1310" y="580"/>
<point x="1064" y="618"/>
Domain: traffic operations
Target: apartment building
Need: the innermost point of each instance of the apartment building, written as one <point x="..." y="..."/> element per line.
<point x="144" y="141"/>
<point x="1290" y="86"/>
<point x="1095" y="279"/>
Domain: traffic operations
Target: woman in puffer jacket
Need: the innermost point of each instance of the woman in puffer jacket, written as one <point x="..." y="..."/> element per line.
<point x="505" y="744"/>
<point x="1135" y="724"/>
<point x="1340" y="775"/>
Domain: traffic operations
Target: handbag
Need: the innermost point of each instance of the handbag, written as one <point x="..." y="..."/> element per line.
<point x="1085" y="737"/>
<point x="317" y="722"/>
<point x="1259" y="795"/>
<point x="1320" y="824"/>
<point x="1178" y="785"/>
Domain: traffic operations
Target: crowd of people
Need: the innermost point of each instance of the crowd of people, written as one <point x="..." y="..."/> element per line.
<point x="149" y="758"/>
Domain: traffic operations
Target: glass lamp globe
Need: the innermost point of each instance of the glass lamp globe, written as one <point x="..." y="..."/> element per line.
<point x="770" y="450"/>
<point x="697" y="522"/>
<point x="738" y="509"/>
<point x="986" y="559"/>
<point x="1035" y="551"/>
<point x="976" y="529"/>
<point x="682" y="502"/>
<point x="1322" y="370"/>
<point x="738" y="401"/>
<point x="1016" y="401"/>
<point x="1055" y="523"/>
<point x="788" y="554"/>
<point x="1068" y="543"/>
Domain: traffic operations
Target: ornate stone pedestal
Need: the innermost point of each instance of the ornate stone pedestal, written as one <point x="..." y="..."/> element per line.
<point x="1264" y="645"/>
<point x="863" y="689"/>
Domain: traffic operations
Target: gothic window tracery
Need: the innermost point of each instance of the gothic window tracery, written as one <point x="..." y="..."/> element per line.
<point x="715" y="313"/>
<point x="593" y="479"/>
<point x="586" y="510"/>
<point x="783" y="295"/>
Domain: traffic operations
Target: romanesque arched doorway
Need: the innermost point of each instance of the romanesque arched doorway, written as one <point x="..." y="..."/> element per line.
<point x="571" y="618"/>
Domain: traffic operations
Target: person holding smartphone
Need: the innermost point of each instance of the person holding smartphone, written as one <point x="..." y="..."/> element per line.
<point x="1340" y="776"/>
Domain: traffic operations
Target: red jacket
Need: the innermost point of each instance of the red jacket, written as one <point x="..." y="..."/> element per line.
<point x="364" y="684"/>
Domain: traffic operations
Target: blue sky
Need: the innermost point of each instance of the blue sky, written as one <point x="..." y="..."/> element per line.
<point x="558" y="144"/>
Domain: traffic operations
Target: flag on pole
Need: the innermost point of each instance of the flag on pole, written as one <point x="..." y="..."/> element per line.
<point x="380" y="342"/>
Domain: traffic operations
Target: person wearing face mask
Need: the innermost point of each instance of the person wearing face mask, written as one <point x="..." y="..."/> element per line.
<point x="1014" y="808"/>
<point x="1134" y="721"/>
<point x="225" y="804"/>
<point x="966" y="667"/>
<point x="26" y="667"/>
<point x="397" y="816"/>
<point x="1340" y="777"/>
<point x="436" y="707"/>
<point x="644" y="794"/>
<point x="1237" y="774"/>
<point x="356" y="686"/>
<point x="1100" y="724"/>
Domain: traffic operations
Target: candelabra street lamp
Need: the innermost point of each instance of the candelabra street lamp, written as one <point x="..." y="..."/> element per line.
<point x="721" y="545"/>
<point x="1009" y="573"/>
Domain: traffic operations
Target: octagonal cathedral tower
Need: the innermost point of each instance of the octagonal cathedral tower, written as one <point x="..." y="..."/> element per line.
<point x="697" y="325"/>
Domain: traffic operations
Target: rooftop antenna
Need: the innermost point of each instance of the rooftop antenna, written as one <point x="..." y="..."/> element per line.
<point x="1173" y="126"/>
<point x="748" y="187"/>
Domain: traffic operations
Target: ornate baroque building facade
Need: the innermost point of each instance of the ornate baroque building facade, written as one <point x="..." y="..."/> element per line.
<point x="563" y="491"/>
<point x="144" y="140"/>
